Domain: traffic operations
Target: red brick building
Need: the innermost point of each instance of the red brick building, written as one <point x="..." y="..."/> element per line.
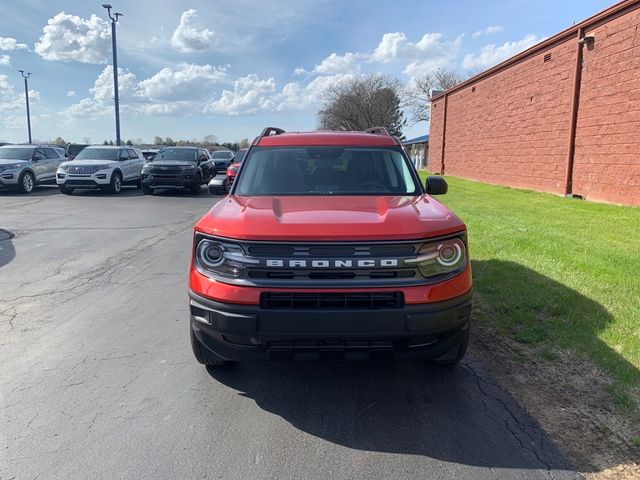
<point x="561" y="117"/>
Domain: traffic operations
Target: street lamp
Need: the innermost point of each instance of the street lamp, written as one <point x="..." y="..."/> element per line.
<point x="114" y="20"/>
<point x="26" y="96"/>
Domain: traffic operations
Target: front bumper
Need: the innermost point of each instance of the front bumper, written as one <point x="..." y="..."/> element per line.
<point x="96" y="180"/>
<point x="9" y="179"/>
<point x="251" y="333"/>
<point x="168" y="181"/>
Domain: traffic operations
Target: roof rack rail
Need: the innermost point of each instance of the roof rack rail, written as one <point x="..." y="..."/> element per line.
<point x="267" y="133"/>
<point x="382" y="131"/>
<point x="378" y="131"/>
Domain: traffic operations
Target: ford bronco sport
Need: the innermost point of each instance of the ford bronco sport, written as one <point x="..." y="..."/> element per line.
<point x="329" y="248"/>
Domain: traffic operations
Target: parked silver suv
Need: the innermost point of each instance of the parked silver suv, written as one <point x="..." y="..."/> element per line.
<point x="107" y="168"/>
<point x="24" y="166"/>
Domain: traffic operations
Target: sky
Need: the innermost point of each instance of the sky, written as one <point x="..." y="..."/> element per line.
<point x="194" y="68"/>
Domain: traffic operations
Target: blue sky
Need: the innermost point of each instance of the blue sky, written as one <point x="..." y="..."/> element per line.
<point x="229" y="68"/>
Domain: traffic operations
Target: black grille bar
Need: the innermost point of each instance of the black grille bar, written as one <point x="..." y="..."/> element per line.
<point x="331" y="301"/>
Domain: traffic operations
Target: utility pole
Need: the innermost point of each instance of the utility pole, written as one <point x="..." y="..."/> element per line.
<point x="114" y="20"/>
<point x="26" y="96"/>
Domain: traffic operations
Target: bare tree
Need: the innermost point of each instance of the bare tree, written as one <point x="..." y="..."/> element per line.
<point x="419" y="96"/>
<point x="363" y="102"/>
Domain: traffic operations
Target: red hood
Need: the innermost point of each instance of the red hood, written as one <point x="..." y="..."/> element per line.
<point x="329" y="218"/>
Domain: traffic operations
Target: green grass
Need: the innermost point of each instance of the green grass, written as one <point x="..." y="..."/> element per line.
<point x="557" y="273"/>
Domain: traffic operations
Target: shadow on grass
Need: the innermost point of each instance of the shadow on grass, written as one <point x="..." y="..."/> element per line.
<point x="539" y="311"/>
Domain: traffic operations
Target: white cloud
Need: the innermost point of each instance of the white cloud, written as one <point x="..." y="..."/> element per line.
<point x="490" y="30"/>
<point x="492" y="54"/>
<point x="9" y="44"/>
<point x="70" y="38"/>
<point x="182" y="82"/>
<point x="334" y="63"/>
<point x="250" y="94"/>
<point x="5" y="61"/>
<point x="12" y="101"/>
<point x="71" y="93"/>
<point x="187" y="38"/>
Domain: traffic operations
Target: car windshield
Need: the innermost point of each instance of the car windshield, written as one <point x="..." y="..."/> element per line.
<point x="98" y="154"/>
<point x="15" y="153"/>
<point x="326" y="171"/>
<point x="74" y="149"/>
<point x="240" y="156"/>
<point x="224" y="154"/>
<point x="177" y="154"/>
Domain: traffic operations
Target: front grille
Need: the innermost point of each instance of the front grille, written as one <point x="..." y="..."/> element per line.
<point x="165" y="171"/>
<point x="331" y="301"/>
<point x="83" y="169"/>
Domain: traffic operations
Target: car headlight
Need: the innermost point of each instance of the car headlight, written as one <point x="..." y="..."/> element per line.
<point x="441" y="257"/>
<point x="188" y="168"/>
<point x="216" y="258"/>
<point x="9" y="167"/>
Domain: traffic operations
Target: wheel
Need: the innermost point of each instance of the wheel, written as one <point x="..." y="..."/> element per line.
<point x="26" y="182"/>
<point x="200" y="353"/>
<point x="147" y="190"/>
<point x="66" y="190"/>
<point x="139" y="184"/>
<point x="116" y="183"/>
<point x="195" y="188"/>
<point x="453" y="356"/>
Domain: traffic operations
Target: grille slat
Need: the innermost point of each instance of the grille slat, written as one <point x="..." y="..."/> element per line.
<point x="331" y="301"/>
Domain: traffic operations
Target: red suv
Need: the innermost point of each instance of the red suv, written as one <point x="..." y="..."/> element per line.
<point x="329" y="248"/>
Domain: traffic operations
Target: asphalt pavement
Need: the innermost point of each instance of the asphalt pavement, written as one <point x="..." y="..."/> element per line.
<point x="97" y="378"/>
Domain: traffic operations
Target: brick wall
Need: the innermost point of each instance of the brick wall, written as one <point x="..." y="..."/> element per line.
<point x="512" y="128"/>
<point x="607" y="158"/>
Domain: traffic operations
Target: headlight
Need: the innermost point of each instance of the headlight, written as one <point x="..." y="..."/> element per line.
<point x="188" y="168"/>
<point x="9" y="167"/>
<point x="63" y="167"/>
<point x="97" y="168"/>
<point x="214" y="258"/>
<point x="441" y="257"/>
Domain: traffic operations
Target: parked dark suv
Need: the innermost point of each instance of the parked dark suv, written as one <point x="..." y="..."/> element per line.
<point x="223" y="159"/>
<point x="178" y="167"/>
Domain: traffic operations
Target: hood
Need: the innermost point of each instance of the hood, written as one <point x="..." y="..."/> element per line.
<point x="324" y="218"/>
<point x="16" y="163"/>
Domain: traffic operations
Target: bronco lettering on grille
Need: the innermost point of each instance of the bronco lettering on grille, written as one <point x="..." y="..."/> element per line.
<point x="333" y="263"/>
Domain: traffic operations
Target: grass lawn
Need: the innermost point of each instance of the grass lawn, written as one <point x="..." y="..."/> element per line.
<point x="557" y="274"/>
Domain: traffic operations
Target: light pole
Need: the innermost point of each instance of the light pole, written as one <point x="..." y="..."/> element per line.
<point x="114" y="20"/>
<point x="26" y="96"/>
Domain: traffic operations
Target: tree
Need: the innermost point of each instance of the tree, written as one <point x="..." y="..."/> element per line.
<point x="86" y="140"/>
<point x="169" y="142"/>
<point x="244" y="143"/>
<point x="158" y="140"/>
<point x="130" y="143"/>
<point x="363" y="102"/>
<point x="419" y="96"/>
<point x="60" y="141"/>
<point x="105" y="143"/>
<point x="209" y="139"/>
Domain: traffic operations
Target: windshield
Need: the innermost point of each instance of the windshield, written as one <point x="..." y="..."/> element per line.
<point x="326" y="171"/>
<point x="225" y="154"/>
<point x="75" y="149"/>
<point x="98" y="154"/>
<point x="240" y="156"/>
<point x="177" y="154"/>
<point x="15" y="153"/>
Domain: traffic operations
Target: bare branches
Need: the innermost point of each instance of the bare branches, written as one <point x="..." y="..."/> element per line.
<point x="419" y="96"/>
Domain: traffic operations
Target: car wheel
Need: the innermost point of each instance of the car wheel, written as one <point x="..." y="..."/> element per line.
<point x="201" y="355"/>
<point x="116" y="183"/>
<point x="196" y="187"/>
<point x="453" y="356"/>
<point x="147" y="190"/>
<point x="66" y="190"/>
<point x="26" y="183"/>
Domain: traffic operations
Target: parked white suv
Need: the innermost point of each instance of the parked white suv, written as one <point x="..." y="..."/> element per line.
<point x="25" y="166"/>
<point x="104" y="167"/>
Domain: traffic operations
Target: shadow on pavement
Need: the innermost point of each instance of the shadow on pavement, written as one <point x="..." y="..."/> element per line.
<point x="38" y="191"/>
<point x="7" y="250"/>
<point x="455" y="415"/>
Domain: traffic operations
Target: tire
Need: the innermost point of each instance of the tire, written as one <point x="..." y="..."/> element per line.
<point x="200" y="353"/>
<point x="147" y="190"/>
<point x="116" y="183"/>
<point x="139" y="184"/>
<point x="66" y="190"/>
<point x="26" y="183"/>
<point x="196" y="187"/>
<point x="456" y="354"/>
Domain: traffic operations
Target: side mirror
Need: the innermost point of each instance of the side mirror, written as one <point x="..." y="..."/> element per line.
<point x="436" y="185"/>
<point x="217" y="186"/>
